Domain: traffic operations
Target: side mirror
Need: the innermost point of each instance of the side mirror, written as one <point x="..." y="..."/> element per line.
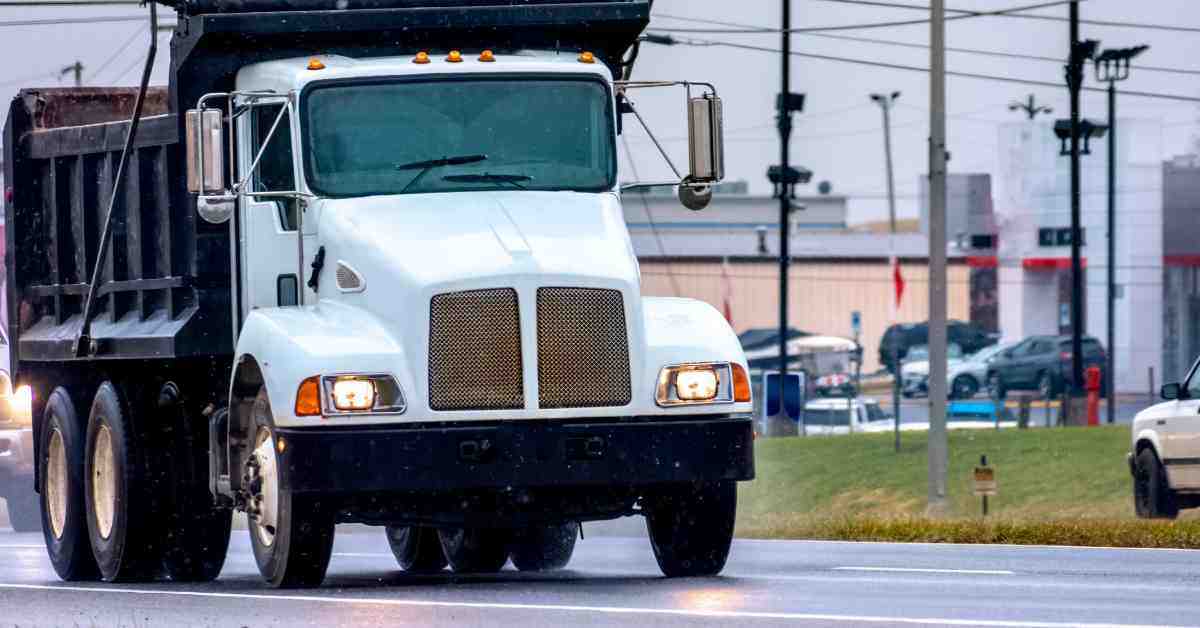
<point x="206" y="165"/>
<point x="706" y="148"/>
<point x="1171" y="391"/>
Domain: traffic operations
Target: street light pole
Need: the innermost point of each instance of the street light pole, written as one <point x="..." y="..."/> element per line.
<point x="1074" y="73"/>
<point x="785" y="133"/>
<point x="1112" y="66"/>
<point x="885" y="102"/>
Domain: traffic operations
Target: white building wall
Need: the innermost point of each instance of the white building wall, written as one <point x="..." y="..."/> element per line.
<point x="1033" y="191"/>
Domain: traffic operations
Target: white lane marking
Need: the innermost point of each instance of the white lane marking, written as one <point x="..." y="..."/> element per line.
<point x="602" y="610"/>
<point x="976" y="572"/>
<point x="977" y="545"/>
<point x="20" y="546"/>
<point x="363" y="555"/>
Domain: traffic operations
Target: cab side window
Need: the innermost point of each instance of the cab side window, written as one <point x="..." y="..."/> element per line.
<point x="1193" y="384"/>
<point x="275" y="172"/>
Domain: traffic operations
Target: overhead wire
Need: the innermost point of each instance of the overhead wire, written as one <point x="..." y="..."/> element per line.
<point x="122" y="48"/>
<point x="843" y="27"/>
<point x="913" y="68"/>
<point x="57" y="21"/>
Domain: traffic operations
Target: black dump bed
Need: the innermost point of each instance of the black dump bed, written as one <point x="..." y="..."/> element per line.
<point x="165" y="288"/>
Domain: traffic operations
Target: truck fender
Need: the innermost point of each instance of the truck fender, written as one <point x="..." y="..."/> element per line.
<point x="280" y="347"/>
<point x="679" y="331"/>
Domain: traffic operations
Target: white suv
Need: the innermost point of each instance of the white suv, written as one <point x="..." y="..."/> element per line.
<point x="1165" y="459"/>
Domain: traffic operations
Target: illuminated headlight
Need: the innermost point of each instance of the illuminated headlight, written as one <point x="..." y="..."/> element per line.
<point x="714" y="382"/>
<point x="20" y="404"/>
<point x="352" y="394"/>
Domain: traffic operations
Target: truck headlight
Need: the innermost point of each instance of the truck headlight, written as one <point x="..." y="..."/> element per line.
<point x="702" y="383"/>
<point x="350" y="394"/>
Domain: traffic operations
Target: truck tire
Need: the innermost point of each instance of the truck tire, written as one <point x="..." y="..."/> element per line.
<point x="60" y="465"/>
<point x="291" y="534"/>
<point x="691" y="527"/>
<point x="475" y="550"/>
<point x="120" y="494"/>
<point x="543" y="548"/>
<point x="1152" y="496"/>
<point x="417" y="549"/>
<point x="24" y="511"/>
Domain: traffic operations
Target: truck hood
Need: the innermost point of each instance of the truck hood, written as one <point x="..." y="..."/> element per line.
<point x="422" y="240"/>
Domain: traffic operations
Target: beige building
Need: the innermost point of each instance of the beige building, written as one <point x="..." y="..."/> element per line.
<point x="834" y="272"/>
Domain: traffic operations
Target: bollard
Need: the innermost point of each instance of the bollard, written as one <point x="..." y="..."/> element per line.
<point x="1093" y="395"/>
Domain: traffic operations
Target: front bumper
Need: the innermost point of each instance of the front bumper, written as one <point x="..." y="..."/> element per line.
<point x="16" y="458"/>
<point x="517" y="454"/>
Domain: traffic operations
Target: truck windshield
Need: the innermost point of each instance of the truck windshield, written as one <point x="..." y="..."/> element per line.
<point x="534" y="134"/>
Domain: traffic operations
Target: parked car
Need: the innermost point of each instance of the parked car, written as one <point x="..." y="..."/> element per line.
<point x="843" y="416"/>
<point x="16" y="452"/>
<point x="1039" y="363"/>
<point x="1164" y="459"/>
<point x="969" y="336"/>
<point x="965" y="375"/>
<point x="914" y="370"/>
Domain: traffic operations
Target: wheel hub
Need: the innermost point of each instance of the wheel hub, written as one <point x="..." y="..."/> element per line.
<point x="104" y="482"/>
<point x="264" y="487"/>
<point x="56" y="483"/>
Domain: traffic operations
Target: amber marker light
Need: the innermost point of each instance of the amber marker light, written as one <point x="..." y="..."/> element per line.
<point x="587" y="57"/>
<point x="308" y="397"/>
<point x="421" y="58"/>
<point x="487" y="56"/>
<point x="741" y="383"/>
<point x="315" y="64"/>
<point x="454" y="57"/>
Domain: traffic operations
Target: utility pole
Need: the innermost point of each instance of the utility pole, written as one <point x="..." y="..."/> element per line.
<point x="1081" y="51"/>
<point x="938" y="444"/>
<point x="1030" y="107"/>
<point x="77" y="69"/>
<point x="885" y="102"/>
<point x="785" y="204"/>
<point x="1112" y="66"/>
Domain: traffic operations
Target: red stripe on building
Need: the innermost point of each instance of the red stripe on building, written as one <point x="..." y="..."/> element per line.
<point x="983" y="261"/>
<point x="1050" y="263"/>
<point x="1181" y="260"/>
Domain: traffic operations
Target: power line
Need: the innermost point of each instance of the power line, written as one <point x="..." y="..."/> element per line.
<point x="74" y="20"/>
<point x="121" y="49"/>
<point x="667" y="40"/>
<point x="843" y="27"/>
<point x="1014" y="14"/>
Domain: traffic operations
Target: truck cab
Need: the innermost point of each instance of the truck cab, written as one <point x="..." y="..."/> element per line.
<point x="372" y="268"/>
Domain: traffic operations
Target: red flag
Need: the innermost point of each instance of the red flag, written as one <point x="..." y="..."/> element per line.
<point x="726" y="292"/>
<point x="897" y="283"/>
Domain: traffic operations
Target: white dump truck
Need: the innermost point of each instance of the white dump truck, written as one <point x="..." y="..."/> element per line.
<point x="364" y="261"/>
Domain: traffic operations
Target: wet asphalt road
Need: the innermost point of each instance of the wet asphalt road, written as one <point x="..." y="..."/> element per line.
<point x="614" y="581"/>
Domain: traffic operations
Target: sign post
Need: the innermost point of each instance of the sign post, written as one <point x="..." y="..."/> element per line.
<point x="985" y="482"/>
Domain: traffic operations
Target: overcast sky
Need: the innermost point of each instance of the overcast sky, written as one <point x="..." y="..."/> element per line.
<point x="839" y="137"/>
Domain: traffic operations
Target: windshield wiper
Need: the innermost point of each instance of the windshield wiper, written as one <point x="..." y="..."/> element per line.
<point x="512" y="179"/>
<point x="429" y="164"/>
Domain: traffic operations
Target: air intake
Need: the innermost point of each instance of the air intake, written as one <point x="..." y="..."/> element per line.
<point x="583" y="348"/>
<point x="475" y="351"/>
<point x="348" y="279"/>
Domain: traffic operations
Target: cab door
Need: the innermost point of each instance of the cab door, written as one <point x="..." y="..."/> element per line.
<point x="1181" y="432"/>
<point x="268" y="247"/>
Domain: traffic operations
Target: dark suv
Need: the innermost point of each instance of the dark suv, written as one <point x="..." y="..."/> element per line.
<point x="969" y="337"/>
<point x="1041" y="363"/>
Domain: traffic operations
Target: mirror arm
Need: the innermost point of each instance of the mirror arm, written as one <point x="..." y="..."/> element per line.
<point x="653" y="139"/>
<point x="641" y="185"/>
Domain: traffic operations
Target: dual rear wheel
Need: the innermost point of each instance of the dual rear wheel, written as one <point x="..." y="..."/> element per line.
<point x="424" y="550"/>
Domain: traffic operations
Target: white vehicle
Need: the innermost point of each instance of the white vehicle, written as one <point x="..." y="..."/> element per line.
<point x="833" y="416"/>
<point x="368" y="264"/>
<point x="965" y="376"/>
<point x="16" y="451"/>
<point x="1165" y="457"/>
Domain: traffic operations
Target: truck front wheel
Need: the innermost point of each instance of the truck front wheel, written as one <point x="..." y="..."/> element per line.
<point x="543" y="548"/>
<point x="291" y="534"/>
<point x="475" y="550"/>
<point x="691" y="527"/>
<point x="417" y="549"/>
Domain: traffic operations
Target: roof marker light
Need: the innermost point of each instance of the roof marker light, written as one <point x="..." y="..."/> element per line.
<point x="454" y="57"/>
<point x="421" y="58"/>
<point x="487" y="56"/>
<point x="315" y="64"/>
<point x="587" y="57"/>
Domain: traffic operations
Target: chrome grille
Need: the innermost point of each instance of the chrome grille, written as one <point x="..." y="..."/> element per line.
<point x="475" y="351"/>
<point x="583" y="350"/>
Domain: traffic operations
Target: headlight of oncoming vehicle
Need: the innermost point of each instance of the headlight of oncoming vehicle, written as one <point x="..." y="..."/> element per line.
<point x="347" y="394"/>
<point x="702" y="383"/>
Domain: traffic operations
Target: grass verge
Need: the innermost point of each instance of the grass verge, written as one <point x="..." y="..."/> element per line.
<point x="1062" y="486"/>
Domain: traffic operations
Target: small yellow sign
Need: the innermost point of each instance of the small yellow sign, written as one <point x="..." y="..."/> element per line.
<point x="985" y="481"/>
